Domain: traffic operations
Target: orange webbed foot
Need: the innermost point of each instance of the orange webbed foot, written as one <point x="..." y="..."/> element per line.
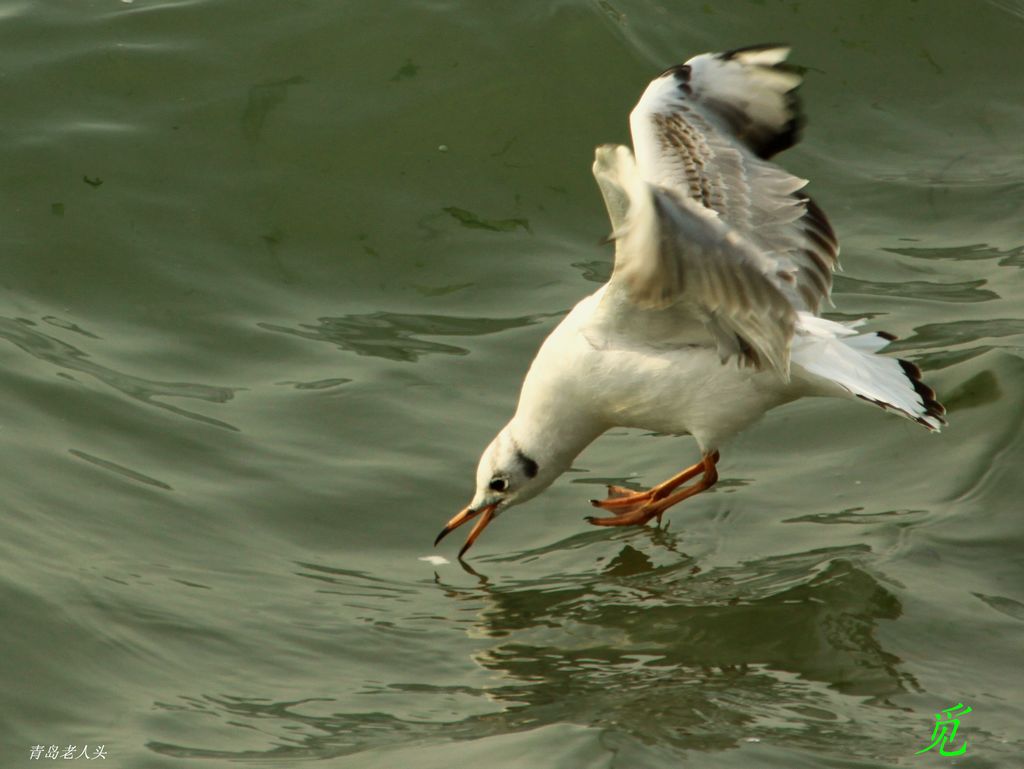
<point x="638" y="508"/>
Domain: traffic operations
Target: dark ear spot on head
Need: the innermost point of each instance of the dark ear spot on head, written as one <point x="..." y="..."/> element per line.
<point x="529" y="466"/>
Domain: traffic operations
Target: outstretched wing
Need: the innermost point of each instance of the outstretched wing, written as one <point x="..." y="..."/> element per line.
<point x="705" y="130"/>
<point x="675" y="255"/>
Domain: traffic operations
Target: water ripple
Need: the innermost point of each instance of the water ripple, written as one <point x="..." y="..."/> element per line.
<point x="19" y="332"/>
<point x="966" y="291"/>
<point x="396" y="336"/>
<point x="1011" y="257"/>
<point x="106" y="464"/>
<point x="946" y="335"/>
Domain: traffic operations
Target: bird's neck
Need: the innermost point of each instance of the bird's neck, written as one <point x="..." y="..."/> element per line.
<point x="553" y="438"/>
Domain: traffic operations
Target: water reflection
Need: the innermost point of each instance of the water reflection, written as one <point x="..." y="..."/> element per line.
<point x="718" y="656"/>
<point x="812" y="614"/>
<point x="396" y="336"/>
<point x="784" y="649"/>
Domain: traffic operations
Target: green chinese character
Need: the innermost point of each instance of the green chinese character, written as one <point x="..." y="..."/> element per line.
<point x="946" y="724"/>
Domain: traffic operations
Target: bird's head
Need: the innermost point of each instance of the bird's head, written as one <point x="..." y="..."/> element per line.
<point x="506" y="476"/>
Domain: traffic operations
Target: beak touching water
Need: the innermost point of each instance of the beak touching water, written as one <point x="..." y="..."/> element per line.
<point x="486" y="514"/>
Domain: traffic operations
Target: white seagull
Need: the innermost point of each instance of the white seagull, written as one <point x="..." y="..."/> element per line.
<point x="711" y="315"/>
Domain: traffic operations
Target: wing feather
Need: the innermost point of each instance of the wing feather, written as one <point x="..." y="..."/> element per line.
<point x="705" y="129"/>
<point x="670" y="251"/>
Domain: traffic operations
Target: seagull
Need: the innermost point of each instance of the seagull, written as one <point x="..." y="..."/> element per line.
<point x="711" y="316"/>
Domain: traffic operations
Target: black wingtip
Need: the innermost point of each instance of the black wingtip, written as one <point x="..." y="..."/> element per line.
<point x="934" y="416"/>
<point x="932" y="407"/>
<point x="787" y="137"/>
<point x="764" y="138"/>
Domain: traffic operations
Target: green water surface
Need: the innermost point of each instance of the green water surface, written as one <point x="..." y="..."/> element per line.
<point x="271" y="274"/>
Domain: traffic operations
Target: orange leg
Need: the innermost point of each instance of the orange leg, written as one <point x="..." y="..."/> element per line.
<point x="639" y="508"/>
<point x="621" y="498"/>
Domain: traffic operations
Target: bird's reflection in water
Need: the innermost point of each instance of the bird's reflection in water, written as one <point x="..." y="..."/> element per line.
<point x="782" y="649"/>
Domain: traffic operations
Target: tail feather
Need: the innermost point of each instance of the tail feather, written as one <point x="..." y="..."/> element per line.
<point x="834" y="355"/>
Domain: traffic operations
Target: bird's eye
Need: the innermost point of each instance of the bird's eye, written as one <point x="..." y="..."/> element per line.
<point x="499" y="484"/>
